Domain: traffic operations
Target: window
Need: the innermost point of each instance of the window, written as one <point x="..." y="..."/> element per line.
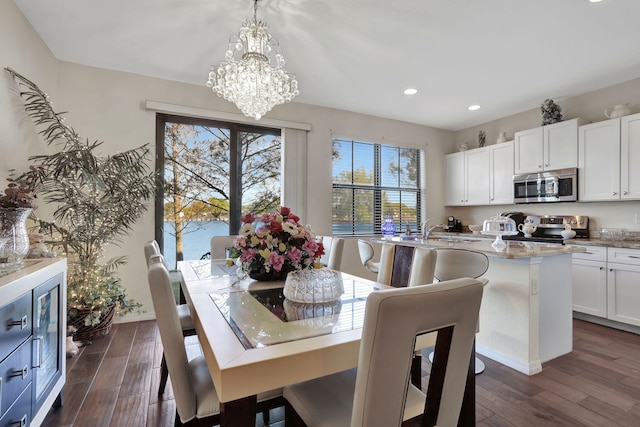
<point x="212" y="173"/>
<point x="372" y="182"/>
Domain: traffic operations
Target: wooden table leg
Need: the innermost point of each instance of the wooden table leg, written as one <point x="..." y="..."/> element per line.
<point x="239" y="413"/>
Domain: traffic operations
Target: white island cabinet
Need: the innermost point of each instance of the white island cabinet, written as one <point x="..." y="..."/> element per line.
<point x="526" y="311"/>
<point x="33" y="313"/>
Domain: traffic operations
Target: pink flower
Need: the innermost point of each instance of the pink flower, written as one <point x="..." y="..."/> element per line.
<point x="284" y="211"/>
<point x="276" y="261"/>
<point x="311" y="246"/>
<point x="294" y="254"/>
<point x="293" y="217"/>
<point x="248" y="254"/>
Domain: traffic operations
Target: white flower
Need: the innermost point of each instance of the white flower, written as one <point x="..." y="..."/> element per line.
<point x="246" y="229"/>
<point x="290" y="228"/>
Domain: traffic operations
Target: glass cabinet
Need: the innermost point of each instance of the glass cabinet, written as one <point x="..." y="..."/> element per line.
<point x="47" y="330"/>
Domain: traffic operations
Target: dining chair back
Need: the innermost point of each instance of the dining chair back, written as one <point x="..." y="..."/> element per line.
<point x="193" y="389"/>
<point x="379" y="394"/>
<point x="333" y="247"/>
<point x="152" y="249"/>
<point x="219" y="245"/>
<point x="454" y="263"/>
<point x="365" y="249"/>
<point x="406" y="265"/>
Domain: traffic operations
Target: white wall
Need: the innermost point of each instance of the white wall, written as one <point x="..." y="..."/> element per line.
<point x="22" y="50"/>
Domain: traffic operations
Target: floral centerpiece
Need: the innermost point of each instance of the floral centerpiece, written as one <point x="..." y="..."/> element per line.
<point x="271" y="245"/>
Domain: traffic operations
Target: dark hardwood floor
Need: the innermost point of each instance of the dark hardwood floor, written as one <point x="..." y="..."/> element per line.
<point x="114" y="382"/>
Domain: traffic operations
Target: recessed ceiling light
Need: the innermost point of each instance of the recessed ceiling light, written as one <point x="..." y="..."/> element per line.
<point x="410" y="91"/>
<point x="473" y="107"/>
<point x="595" y="1"/>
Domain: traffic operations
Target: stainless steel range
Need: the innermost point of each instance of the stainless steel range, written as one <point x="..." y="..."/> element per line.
<point x="550" y="226"/>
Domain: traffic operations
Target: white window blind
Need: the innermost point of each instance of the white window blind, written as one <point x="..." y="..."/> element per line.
<point x="374" y="181"/>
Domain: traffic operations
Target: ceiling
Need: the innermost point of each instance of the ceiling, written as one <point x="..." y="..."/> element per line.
<point x="359" y="55"/>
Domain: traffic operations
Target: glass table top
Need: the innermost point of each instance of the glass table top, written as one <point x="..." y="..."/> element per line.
<point x="264" y="317"/>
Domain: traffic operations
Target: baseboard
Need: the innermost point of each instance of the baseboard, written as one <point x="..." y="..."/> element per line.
<point x="606" y="322"/>
<point x="532" y="368"/>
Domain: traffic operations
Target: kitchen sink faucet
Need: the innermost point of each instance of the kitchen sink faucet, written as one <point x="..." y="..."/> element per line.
<point x="426" y="230"/>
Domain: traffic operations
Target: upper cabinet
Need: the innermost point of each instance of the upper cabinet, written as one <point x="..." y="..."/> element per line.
<point x="501" y="173"/>
<point x="547" y="148"/>
<point x="608" y="150"/>
<point x="467" y="178"/>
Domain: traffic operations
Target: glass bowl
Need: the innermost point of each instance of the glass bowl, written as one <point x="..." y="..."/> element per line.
<point x="613" y="233"/>
<point x="313" y="286"/>
<point x="475" y="228"/>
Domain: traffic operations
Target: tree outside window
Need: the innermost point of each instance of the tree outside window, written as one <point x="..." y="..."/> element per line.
<point x="372" y="182"/>
<point x="212" y="173"/>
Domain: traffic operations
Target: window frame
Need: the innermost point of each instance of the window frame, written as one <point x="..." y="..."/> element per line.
<point x="377" y="188"/>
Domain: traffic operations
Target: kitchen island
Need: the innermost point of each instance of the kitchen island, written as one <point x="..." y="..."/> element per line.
<point x="526" y="311"/>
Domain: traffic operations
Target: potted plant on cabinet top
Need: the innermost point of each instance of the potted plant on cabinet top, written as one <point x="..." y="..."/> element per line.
<point x="96" y="199"/>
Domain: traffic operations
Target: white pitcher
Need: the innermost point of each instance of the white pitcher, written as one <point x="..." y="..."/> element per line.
<point x="618" y="110"/>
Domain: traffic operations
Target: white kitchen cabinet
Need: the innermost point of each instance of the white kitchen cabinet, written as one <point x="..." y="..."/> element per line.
<point x="590" y="281"/>
<point x="599" y="161"/>
<point x="630" y="156"/>
<point x="501" y="173"/>
<point x="467" y="178"/>
<point x="547" y="147"/>
<point x="608" y="154"/>
<point x="606" y="283"/>
<point x="623" y="284"/>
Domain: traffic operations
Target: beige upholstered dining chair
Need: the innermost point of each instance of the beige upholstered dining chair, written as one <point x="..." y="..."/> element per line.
<point x="454" y="263"/>
<point x="219" y="245"/>
<point x="365" y="249"/>
<point x="196" y="399"/>
<point x="333" y="247"/>
<point x="151" y="248"/>
<point x="406" y="265"/>
<point x="378" y="393"/>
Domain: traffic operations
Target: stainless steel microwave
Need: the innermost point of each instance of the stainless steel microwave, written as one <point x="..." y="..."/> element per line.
<point x="543" y="187"/>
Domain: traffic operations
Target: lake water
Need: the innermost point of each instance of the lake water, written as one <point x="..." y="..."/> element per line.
<point x="194" y="243"/>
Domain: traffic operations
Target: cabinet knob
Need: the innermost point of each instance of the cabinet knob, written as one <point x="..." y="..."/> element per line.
<point x="539" y="166"/>
<point x="625" y="192"/>
<point x="614" y="194"/>
<point x="546" y="165"/>
<point x="601" y="268"/>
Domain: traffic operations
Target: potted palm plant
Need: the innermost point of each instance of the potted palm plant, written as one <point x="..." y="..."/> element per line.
<point x="96" y="199"/>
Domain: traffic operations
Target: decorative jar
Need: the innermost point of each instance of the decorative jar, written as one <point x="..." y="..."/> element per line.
<point x="388" y="228"/>
<point x="13" y="231"/>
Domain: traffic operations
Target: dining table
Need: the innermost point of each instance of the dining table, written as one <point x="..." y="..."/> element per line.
<point x="254" y="340"/>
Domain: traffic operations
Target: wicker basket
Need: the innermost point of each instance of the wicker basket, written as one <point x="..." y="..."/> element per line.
<point x="91" y="333"/>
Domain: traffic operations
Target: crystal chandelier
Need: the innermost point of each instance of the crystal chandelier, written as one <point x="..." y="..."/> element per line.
<point x="256" y="81"/>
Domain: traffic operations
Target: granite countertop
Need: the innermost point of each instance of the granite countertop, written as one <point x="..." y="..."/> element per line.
<point x="633" y="242"/>
<point x="514" y="249"/>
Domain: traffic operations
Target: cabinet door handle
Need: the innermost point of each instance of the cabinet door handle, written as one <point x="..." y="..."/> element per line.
<point x="21" y="373"/>
<point x="588" y="253"/>
<point x="38" y="341"/>
<point x="22" y="323"/>
<point x="22" y="422"/>
<point x="633" y="256"/>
